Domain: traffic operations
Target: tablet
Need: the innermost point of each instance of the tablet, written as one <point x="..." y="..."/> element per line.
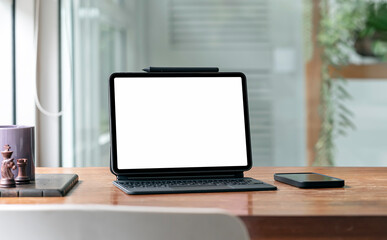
<point x="179" y="122"/>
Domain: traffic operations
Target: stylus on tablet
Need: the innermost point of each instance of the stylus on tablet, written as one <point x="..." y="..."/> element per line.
<point x="181" y="69"/>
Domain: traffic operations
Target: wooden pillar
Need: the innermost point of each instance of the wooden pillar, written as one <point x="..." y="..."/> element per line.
<point x="312" y="87"/>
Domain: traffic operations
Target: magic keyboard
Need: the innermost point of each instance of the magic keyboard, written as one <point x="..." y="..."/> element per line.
<point x="191" y="185"/>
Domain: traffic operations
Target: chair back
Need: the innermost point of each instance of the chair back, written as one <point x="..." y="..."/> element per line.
<point x="103" y="222"/>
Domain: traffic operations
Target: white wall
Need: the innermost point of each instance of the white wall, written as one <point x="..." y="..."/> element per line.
<point x="6" y="91"/>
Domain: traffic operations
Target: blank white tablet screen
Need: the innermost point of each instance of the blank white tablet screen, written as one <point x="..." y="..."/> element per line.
<point x="179" y="122"/>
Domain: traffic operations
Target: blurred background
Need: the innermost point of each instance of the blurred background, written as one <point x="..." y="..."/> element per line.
<point x="316" y="71"/>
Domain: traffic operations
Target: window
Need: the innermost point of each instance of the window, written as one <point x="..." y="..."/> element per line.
<point x="258" y="37"/>
<point x="276" y="43"/>
<point x="369" y="105"/>
<point x="94" y="44"/>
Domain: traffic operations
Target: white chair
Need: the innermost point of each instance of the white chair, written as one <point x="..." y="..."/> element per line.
<point x="102" y="222"/>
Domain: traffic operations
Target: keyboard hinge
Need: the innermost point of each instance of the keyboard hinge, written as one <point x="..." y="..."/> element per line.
<point x="183" y="176"/>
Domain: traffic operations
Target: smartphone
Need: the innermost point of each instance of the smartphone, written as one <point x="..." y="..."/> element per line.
<point x="309" y="180"/>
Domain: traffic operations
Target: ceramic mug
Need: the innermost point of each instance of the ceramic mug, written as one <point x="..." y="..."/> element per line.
<point x="21" y="139"/>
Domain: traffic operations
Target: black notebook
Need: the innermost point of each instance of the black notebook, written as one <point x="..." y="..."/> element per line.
<point x="180" y="132"/>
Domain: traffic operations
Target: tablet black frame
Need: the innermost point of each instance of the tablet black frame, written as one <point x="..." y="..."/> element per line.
<point x="176" y="171"/>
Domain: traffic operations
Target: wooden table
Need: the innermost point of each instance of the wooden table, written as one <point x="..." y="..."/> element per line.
<point x="357" y="211"/>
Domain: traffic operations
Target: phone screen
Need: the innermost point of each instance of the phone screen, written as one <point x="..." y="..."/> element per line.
<point x="306" y="177"/>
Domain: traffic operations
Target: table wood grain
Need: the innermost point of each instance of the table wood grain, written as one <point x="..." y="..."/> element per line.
<point x="357" y="211"/>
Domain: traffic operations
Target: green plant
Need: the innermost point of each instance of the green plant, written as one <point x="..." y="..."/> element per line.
<point x="336" y="36"/>
<point x="343" y="23"/>
<point x="375" y="30"/>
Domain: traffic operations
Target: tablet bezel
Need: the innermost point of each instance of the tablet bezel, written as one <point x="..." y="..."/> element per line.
<point x="160" y="171"/>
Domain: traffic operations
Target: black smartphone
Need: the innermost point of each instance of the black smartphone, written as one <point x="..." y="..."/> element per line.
<point x="309" y="180"/>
